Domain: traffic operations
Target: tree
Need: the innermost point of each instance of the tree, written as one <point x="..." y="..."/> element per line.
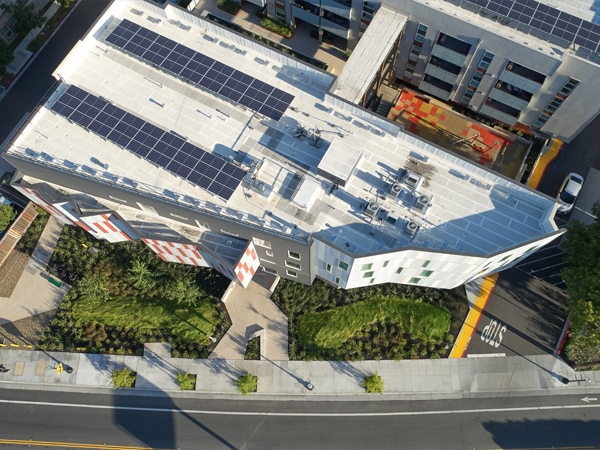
<point x="140" y="275"/>
<point x="95" y="287"/>
<point x="7" y="215"/>
<point x="373" y="384"/>
<point x="247" y="383"/>
<point x="183" y="291"/>
<point x="65" y="4"/>
<point x="6" y="57"/>
<point x="27" y="17"/>
<point x="582" y="277"/>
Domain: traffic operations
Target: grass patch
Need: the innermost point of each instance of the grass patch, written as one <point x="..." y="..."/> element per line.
<point x="277" y="26"/>
<point x="330" y="329"/>
<point x="246" y="384"/>
<point x="229" y="6"/>
<point x="189" y="323"/>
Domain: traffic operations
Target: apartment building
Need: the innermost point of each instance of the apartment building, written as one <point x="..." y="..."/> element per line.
<point x="525" y="63"/>
<point x="218" y="151"/>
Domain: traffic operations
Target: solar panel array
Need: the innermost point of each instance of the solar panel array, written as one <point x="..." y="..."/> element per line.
<point x="547" y="19"/>
<point x="200" y="69"/>
<point x="150" y="142"/>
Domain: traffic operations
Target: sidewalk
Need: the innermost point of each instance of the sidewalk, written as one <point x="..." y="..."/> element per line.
<point x="332" y="380"/>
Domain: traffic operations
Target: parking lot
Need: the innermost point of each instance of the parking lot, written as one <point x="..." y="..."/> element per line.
<point x="546" y="265"/>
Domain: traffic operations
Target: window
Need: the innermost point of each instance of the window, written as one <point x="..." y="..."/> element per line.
<point x="146" y="208"/>
<point x="342" y="265"/>
<point x="426" y="273"/>
<point x="291" y="273"/>
<point x="477" y="77"/>
<point x="486" y="60"/>
<point x="426" y="263"/>
<point x="372" y="281"/>
<point x="294" y="255"/>
<point x="368" y="274"/>
<point x="505" y="258"/>
<point x="178" y="216"/>
<point x="400" y="269"/>
<point x="385" y="264"/>
<point x="552" y="107"/>
<point x="541" y="121"/>
<point x="568" y="88"/>
<point x="415" y="50"/>
<point x="118" y="199"/>
<point x="414" y="280"/>
<point x="421" y="31"/>
<point x="293" y="265"/>
<point x="271" y="271"/>
<point x="261" y="243"/>
<point x="337" y="280"/>
<point x="328" y="267"/>
<point x="8" y="31"/>
<point x="280" y="14"/>
<point x="268" y="253"/>
<point x="367" y="266"/>
<point x="467" y="96"/>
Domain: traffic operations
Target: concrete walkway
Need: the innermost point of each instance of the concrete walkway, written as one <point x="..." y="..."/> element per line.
<point x="332" y="380"/>
<point x="253" y="314"/>
<point x="34" y="294"/>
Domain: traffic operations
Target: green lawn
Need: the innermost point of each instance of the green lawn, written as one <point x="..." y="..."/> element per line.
<point x="330" y="329"/>
<point x="189" y="324"/>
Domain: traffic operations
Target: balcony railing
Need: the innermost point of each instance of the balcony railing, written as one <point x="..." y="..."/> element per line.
<point x="509" y="110"/>
<point x="514" y="91"/>
<point x="308" y="7"/>
<point x="456" y="45"/>
<point x="438" y="83"/>
<point x="445" y="65"/>
<point x="524" y="72"/>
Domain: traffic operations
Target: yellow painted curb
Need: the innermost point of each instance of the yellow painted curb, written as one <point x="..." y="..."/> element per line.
<point x="546" y="159"/>
<point x="468" y="328"/>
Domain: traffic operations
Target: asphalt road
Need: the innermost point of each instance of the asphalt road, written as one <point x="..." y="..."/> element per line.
<point x="35" y="82"/>
<point x="165" y="423"/>
<point x="523" y="316"/>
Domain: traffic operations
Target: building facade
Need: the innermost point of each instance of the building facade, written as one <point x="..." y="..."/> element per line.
<point x="218" y="151"/>
<point x="524" y="63"/>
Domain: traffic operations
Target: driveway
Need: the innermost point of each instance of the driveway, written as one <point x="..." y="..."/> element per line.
<point x="524" y="316"/>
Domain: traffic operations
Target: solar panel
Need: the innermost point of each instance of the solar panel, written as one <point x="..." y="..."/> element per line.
<point x="199" y="69"/>
<point x="150" y="142"/>
<point x="542" y="17"/>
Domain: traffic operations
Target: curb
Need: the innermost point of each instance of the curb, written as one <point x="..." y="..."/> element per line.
<point x="543" y="162"/>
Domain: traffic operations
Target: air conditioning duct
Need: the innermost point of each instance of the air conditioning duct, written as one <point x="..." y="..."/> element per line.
<point x="395" y="190"/>
<point x="411" y="227"/>
<point x="371" y="209"/>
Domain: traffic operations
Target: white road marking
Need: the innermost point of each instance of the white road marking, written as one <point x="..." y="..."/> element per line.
<point x="588" y="399"/>
<point x="541" y="259"/>
<point x="291" y="414"/>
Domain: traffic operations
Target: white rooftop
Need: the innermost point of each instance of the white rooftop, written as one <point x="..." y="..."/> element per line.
<point x="471" y="209"/>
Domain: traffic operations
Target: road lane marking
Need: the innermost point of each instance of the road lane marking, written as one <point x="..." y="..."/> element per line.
<point x="310" y="414"/>
<point x="74" y="445"/>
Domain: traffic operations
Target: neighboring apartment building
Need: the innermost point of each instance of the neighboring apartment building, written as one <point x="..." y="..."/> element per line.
<point x="526" y="62"/>
<point x="218" y="151"/>
<point x="7" y="22"/>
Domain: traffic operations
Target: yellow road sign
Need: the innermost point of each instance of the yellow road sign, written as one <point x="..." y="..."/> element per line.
<point x="59" y="369"/>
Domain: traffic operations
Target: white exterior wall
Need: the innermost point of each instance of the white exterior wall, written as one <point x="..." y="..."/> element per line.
<point x="448" y="269"/>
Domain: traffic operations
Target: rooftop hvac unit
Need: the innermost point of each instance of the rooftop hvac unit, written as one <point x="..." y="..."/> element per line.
<point x="411" y="228"/>
<point x="413" y="180"/>
<point x="371" y="209"/>
<point x="395" y="190"/>
<point x="422" y="203"/>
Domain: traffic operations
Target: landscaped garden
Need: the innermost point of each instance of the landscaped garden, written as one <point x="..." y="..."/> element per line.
<point x="124" y="295"/>
<point x="380" y="322"/>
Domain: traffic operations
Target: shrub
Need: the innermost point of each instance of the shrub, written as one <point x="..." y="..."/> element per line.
<point x="373" y="384"/>
<point x="123" y="378"/>
<point x="253" y="349"/>
<point x="232" y="7"/>
<point x="277" y="26"/>
<point x="247" y="383"/>
<point x="7" y="215"/>
<point x="186" y="381"/>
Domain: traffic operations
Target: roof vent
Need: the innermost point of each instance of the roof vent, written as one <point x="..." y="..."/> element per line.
<point x="413" y="180"/>
<point x="395" y="190"/>
<point x="411" y="228"/>
<point x="371" y="209"/>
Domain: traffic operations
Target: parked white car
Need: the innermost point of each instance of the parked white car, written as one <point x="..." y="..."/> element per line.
<point x="568" y="192"/>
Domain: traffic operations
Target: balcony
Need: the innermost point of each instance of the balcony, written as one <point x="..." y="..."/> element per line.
<point x="306" y="6"/>
<point x="338" y="20"/>
<point x="339" y="7"/>
<point x="508" y="99"/>
<point x="441" y="74"/>
<point x="305" y="16"/>
<point x="514" y="91"/>
<point x="524" y="72"/>
<point x="335" y="28"/>
<point x="500" y="111"/>
<point x="448" y="55"/>
<point x="456" y="45"/>
<point x="436" y="87"/>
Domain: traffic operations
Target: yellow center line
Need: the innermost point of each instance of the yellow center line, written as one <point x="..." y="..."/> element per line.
<point x="74" y="445"/>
